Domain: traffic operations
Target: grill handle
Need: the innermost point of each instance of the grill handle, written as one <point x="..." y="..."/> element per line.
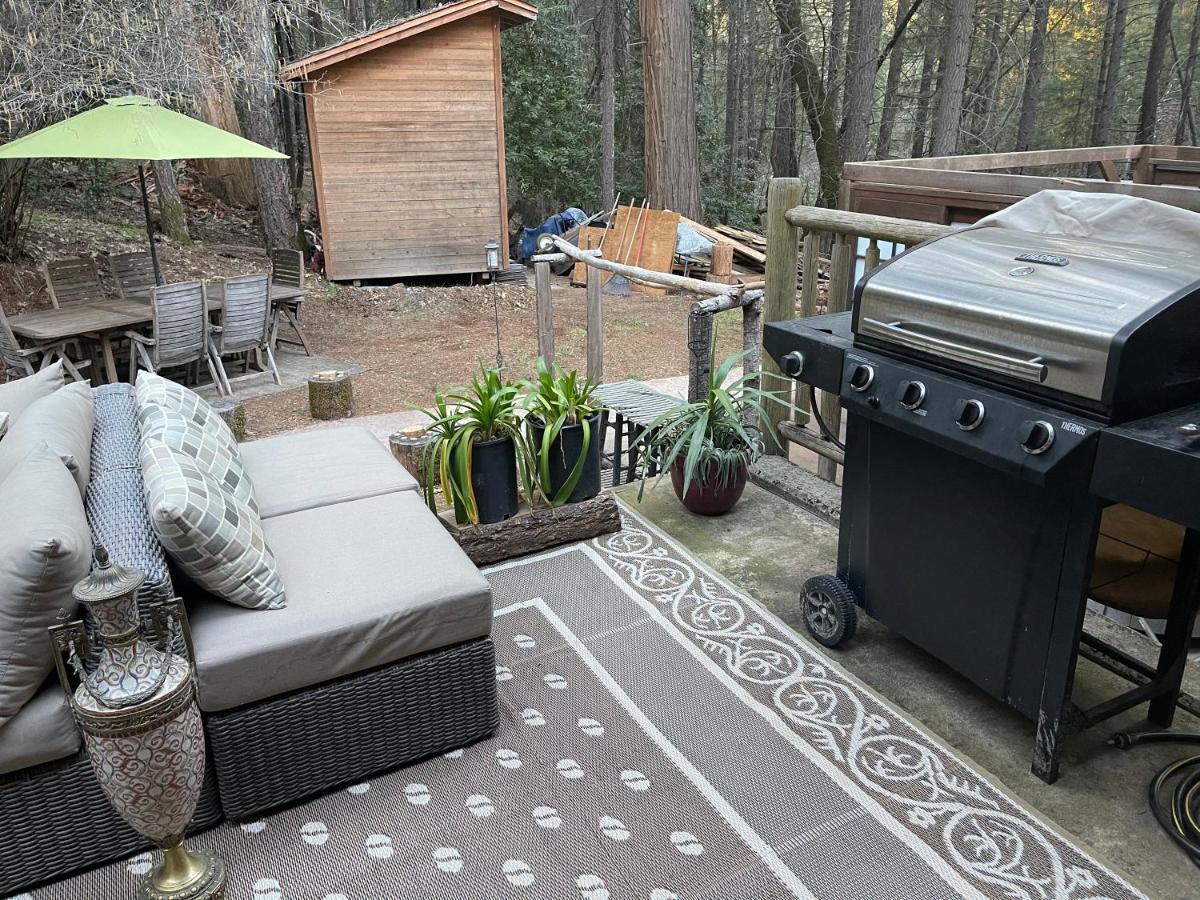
<point x="1025" y="369"/>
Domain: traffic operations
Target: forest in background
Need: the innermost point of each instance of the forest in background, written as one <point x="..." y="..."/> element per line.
<point x="695" y="104"/>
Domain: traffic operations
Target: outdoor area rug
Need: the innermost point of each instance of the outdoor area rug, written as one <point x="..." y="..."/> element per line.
<point x="662" y="737"/>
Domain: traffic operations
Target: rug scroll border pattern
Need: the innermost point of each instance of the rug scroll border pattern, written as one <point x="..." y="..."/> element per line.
<point x="993" y="843"/>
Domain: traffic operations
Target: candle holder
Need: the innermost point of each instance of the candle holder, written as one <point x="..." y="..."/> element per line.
<point x="136" y="706"/>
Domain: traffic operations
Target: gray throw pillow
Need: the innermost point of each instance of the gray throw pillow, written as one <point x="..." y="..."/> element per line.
<point x="45" y="548"/>
<point x="215" y="538"/>
<point x="156" y="394"/>
<point x="18" y="394"/>
<point x="206" y="447"/>
<point x="4" y="417"/>
<point x="64" y="421"/>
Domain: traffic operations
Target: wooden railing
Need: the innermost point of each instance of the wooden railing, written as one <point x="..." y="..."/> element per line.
<point x="795" y="237"/>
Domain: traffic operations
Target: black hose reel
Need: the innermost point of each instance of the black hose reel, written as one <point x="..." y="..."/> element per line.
<point x="1174" y="793"/>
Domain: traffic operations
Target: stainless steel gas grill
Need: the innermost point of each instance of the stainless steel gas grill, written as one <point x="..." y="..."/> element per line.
<point x="1001" y="388"/>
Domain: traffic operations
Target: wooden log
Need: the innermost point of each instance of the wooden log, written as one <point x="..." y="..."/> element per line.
<point x="595" y="329"/>
<point x="643" y="276"/>
<point x="544" y="311"/>
<point x="531" y="530"/>
<point x="724" y="302"/>
<point x="721" y="270"/>
<point x="331" y="395"/>
<point x="232" y="413"/>
<point x="408" y="446"/>
<point x="797" y="434"/>
<point x="887" y="228"/>
<point x="779" y="303"/>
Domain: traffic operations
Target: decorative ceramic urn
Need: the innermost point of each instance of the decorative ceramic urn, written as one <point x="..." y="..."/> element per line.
<point x="136" y="706"/>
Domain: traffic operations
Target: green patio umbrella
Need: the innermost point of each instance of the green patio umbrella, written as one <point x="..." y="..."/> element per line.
<point x="136" y="128"/>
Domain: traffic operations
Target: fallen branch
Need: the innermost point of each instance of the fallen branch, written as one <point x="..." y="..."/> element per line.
<point x="722" y="302"/>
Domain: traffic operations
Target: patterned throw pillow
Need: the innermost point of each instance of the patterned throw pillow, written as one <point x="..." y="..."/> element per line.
<point x="156" y="394"/>
<point x="214" y="538"/>
<point x="207" y="448"/>
<point x="3" y="423"/>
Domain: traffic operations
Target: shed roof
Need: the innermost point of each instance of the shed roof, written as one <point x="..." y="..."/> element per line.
<point x="512" y="12"/>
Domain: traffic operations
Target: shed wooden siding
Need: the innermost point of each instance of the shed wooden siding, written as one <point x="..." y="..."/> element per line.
<point x="407" y="154"/>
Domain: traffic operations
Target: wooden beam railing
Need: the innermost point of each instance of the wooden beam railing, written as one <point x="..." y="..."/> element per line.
<point x="799" y="231"/>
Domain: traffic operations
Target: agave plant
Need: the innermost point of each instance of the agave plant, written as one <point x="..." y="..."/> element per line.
<point x="725" y="426"/>
<point x="559" y="399"/>
<point x="485" y="411"/>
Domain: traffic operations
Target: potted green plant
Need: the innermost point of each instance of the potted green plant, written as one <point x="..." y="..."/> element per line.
<point x="477" y="450"/>
<point x="564" y="434"/>
<point x="708" y="445"/>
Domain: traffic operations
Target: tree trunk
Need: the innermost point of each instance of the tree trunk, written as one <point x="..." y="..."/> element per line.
<point x="947" y="118"/>
<point x="862" y="56"/>
<point x="987" y="89"/>
<point x="259" y="116"/>
<point x="924" y="95"/>
<point x="1032" y="92"/>
<point x="170" y="206"/>
<point x="895" y="63"/>
<point x="835" y="63"/>
<point x="785" y="162"/>
<point x="1110" y="72"/>
<point x="734" y="120"/>
<point x="806" y="75"/>
<point x="672" y="160"/>
<point x="608" y="102"/>
<point x="1187" y="78"/>
<point x="1148" y="117"/>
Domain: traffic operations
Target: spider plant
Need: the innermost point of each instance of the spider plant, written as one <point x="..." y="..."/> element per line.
<point x="460" y="419"/>
<point x="555" y="400"/>
<point x="715" y="438"/>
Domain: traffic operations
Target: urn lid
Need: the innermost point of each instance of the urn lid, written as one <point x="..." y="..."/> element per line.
<point x="107" y="580"/>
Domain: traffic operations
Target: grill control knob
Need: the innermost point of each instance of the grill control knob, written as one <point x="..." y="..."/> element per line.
<point x="911" y="394"/>
<point x="862" y="377"/>
<point x="793" y="364"/>
<point x="1036" y="437"/>
<point x="968" y="414"/>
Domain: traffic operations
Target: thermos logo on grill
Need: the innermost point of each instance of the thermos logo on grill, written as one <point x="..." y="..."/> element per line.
<point x="1074" y="428"/>
<point x="1044" y="259"/>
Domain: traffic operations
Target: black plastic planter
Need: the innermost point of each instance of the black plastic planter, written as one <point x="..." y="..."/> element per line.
<point x="564" y="453"/>
<point x="494" y="479"/>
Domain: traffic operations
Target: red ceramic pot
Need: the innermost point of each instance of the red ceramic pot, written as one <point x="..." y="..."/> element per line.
<point x="709" y="500"/>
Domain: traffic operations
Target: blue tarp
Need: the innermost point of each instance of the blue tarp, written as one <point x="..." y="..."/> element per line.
<point x="559" y="223"/>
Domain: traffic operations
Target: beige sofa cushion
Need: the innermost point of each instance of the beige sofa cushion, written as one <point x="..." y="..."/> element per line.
<point x="307" y="469"/>
<point x="17" y="394"/>
<point x="45" y="548"/>
<point x="370" y="582"/>
<point x="43" y="731"/>
<point x="215" y="538"/>
<point x="64" y="421"/>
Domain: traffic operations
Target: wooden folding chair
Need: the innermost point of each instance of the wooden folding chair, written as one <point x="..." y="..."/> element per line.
<point x="180" y="331"/>
<point x="18" y="360"/>
<point x="134" y="273"/>
<point x="287" y="270"/>
<point x="245" y="324"/>
<point x="71" y="281"/>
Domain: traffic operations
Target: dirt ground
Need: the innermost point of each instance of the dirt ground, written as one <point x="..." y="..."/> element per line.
<point x="412" y="339"/>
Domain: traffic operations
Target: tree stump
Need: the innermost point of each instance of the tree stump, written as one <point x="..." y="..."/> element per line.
<point x="531" y="530"/>
<point x="233" y="413"/>
<point x="408" y="446"/>
<point x="330" y="395"/>
<point x="721" y="270"/>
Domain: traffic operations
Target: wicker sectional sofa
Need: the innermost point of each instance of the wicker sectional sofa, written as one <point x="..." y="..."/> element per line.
<point x="381" y="657"/>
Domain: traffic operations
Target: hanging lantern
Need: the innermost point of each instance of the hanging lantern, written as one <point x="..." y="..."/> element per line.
<point x="492" y="256"/>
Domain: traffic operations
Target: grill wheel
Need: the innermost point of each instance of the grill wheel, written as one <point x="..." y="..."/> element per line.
<point x="830" y="613"/>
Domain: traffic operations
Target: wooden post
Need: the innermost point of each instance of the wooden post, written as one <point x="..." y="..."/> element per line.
<point x="721" y="268"/>
<point x="545" y="311"/>
<point x="837" y="300"/>
<point x="700" y="326"/>
<point x="595" y="327"/>
<point x="408" y="446"/>
<point x="779" y="303"/>
<point x="330" y="395"/>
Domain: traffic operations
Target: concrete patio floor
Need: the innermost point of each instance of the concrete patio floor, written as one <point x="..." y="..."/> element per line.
<point x="768" y="547"/>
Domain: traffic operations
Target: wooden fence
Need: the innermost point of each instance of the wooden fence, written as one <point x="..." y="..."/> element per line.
<point x="795" y="237"/>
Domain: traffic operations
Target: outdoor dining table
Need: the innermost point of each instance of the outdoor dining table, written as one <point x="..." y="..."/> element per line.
<point x="279" y="293"/>
<point x="82" y="320"/>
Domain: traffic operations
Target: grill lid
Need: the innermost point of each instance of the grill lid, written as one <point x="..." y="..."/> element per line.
<point x="1053" y="311"/>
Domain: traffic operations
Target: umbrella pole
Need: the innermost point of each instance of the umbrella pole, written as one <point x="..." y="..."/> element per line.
<point x="158" y="279"/>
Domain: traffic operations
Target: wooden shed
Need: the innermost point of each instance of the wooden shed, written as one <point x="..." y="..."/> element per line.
<point x="406" y="132"/>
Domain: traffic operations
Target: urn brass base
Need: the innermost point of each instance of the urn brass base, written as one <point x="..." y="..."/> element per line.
<point x="186" y="875"/>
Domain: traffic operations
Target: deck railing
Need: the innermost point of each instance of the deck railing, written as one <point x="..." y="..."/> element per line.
<point x="796" y="235"/>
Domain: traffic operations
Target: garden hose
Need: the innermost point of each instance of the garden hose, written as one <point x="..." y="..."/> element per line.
<point x="825" y="432"/>
<point x="1174" y="793"/>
